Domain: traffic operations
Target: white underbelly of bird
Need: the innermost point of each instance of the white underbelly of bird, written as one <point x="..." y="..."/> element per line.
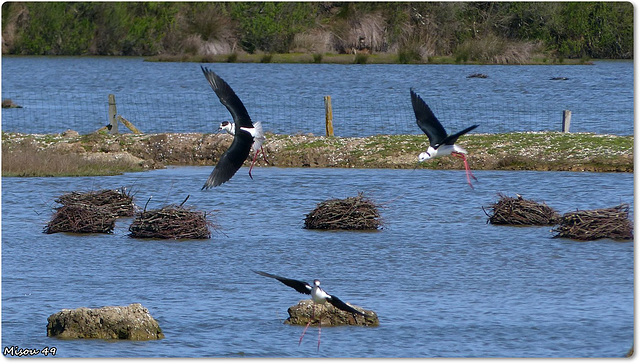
<point x="442" y="151"/>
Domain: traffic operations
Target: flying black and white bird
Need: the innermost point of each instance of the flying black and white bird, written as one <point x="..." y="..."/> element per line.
<point x="318" y="295"/>
<point x="230" y="128"/>
<point x="245" y="132"/>
<point x="440" y="143"/>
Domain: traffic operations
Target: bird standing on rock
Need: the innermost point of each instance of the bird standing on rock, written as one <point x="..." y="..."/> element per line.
<point x="318" y="295"/>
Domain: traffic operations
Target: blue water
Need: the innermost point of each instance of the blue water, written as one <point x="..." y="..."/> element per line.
<point x="60" y="93"/>
<point x="442" y="281"/>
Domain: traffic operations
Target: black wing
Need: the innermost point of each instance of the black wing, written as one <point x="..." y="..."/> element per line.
<point x="451" y="139"/>
<point x="343" y="306"/>
<point x="427" y="121"/>
<point x="234" y="157"/>
<point x="230" y="161"/>
<point x="229" y="99"/>
<point x="299" y="286"/>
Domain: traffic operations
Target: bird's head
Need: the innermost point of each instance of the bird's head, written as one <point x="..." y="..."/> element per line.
<point x="424" y="156"/>
<point x="428" y="154"/>
<point x="316" y="283"/>
<point x="225" y="126"/>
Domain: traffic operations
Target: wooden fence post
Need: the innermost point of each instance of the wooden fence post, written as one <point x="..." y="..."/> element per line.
<point x="128" y="124"/>
<point x="328" y="115"/>
<point x="566" y="121"/>
<point x="112" y="114"/>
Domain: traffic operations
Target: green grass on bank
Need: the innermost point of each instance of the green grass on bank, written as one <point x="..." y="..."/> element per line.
<point x="332" y="58"/>
<point x="27" y="160"/>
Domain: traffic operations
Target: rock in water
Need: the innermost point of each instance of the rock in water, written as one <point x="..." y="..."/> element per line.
<point x="131" y="322"/>
<point x="300" y="314"/>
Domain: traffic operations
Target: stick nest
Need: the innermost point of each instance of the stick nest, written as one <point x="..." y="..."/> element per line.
<point x="518" y="211"/>
<point x="611" y="223"/>
<point x="78" y="218"/>
<point x="171" y="222"/>
<point x="90" y="212"/>
<point x="352" y="213"/>
<point x="118" y="202"/>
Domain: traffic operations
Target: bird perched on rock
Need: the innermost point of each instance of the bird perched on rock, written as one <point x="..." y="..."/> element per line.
<point x="318" y="295"/>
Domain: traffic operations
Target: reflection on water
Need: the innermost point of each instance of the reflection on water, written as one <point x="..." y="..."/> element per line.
<point x="443" y="282"/>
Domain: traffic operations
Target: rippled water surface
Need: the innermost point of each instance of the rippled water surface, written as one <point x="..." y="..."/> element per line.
<point x="443" y="282"/>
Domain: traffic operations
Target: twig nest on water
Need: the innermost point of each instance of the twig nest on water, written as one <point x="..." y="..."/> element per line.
<point x="131" y="322"/>
<point x="518" y="211"/>
<point x="352" y="213"/>
<point x="611" y="223"/>
<point x="90" y="212"/>
<point x="118" y="202"/>
<point x="301" y="313"/>
<point x="81" y="219"/>
<point x="171" y="222"/>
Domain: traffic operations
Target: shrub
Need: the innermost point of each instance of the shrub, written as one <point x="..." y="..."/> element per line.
<point x="361" y="58"/>
<point x="232" y="58"/>
<point x="409" y="55"/>
<point x="266" y="58"/>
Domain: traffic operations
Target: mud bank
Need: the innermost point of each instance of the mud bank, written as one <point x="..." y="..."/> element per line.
<point x="547" y="151"/>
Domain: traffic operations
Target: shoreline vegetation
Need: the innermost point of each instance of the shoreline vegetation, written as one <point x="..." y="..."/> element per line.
<point x="324" y="32"/>
<point x="71" y="154"/>
<point x="357" y="58"/>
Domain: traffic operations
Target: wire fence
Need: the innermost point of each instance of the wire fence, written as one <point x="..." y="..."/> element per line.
<point x="355" y="116"/>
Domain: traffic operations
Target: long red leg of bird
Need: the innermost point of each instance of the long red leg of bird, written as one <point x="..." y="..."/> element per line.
<point x="319" y="331"/>
<point x="264" y="156"/>
<point x="313" y="313"/>
<point x="252" y="163"/>
<point x="466" y="167"/>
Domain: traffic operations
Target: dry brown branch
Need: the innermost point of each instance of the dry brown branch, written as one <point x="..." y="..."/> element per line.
<point x="518" y="211"/>
<point x="352" y="213"/>
<point x="171" y="222"/>
<point x="78" y="218"/>
<point x="611" y="223"/>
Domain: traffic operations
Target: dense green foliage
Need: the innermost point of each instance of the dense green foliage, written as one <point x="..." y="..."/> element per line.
<point x="412" y="30"/>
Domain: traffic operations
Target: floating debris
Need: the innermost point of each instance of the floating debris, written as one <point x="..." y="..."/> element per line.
<point x="9" y="104"/>
<point x="559" y="78"/>
<point x="77" y="218"/>
<point x="518" y="211"/>
<point x="477" y="75"/>
<point x="352" y="213"/>
<point x="118" y="202"/>
<point x="610" y="223"/>
<point x="171" y="222"/>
